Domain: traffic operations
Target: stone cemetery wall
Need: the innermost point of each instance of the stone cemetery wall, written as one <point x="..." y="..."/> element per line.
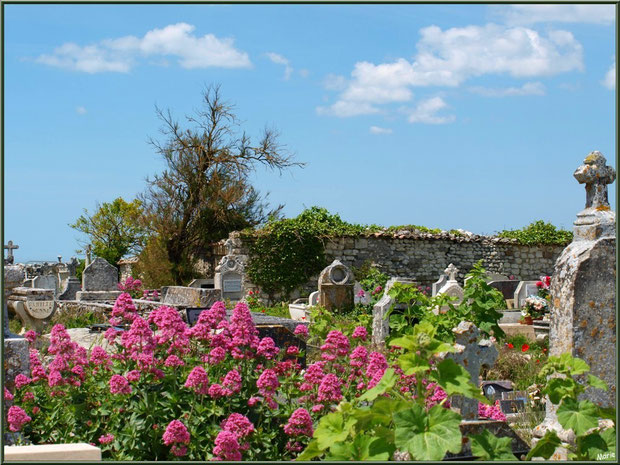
<point x="425" y="256"/>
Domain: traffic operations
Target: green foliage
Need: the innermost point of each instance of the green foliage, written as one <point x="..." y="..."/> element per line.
<point x="580" y="416"/>
<point x="487" y="446"/>
<point x="79" y="269"/>
<point x="74" y="317"/>
<point x="539" y="233"/>
<point x="286" y="253"/>
<point x="479" y="305"/>
<point x="382" y="420"/>
<point x="115" y="230"/>
<point x="481" y="302"/>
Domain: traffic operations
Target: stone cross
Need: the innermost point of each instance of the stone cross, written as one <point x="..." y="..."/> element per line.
<point x="59" y="258"/>
<point x="472" y="355"/>
<point x="595" y="174"/>
<point x="88" y="249"/>
<point x="9" y="256"/>
<point x="451" y="271"/>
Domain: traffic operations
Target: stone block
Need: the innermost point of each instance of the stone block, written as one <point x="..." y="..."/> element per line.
<point x="52" y="452"/>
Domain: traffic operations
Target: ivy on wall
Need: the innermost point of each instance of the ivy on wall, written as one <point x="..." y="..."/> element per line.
<point x="286" y="253"/>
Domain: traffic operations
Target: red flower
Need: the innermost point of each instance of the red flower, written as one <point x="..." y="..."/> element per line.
<point x="539" y="283"/>
<point x="537" y="361"/>
<point x="545" y="349"/>
<point x="524" y="348"/>
<point x="510" y="346"/>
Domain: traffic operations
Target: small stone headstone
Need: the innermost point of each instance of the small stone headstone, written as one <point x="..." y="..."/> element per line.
<point x="472" y="355"/>
<point x="336" y="284"/>
<point x="100" y="276"/>
<point x="494" y="389"/>
<point x="192" y="314"/>
<point x="73" y="286"/>
<point x="380" y="323"/>
<point x="99" y="282"/>
<point x="512" y="406"/>
<point x="443" y="279"/>
<point x="46" y="282"/>
<point x="181" y="296"/>
<point x="313" y="299"/>
<point x="523" y="291"/>
<point x="230" y="276"/>
<point x="506" y="287"/>
<point x="451" y="288"/>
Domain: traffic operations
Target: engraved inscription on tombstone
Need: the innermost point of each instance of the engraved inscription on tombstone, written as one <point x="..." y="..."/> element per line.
<point x="39" y="308"/>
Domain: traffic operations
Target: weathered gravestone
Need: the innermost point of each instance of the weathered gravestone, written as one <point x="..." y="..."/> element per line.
<point x="99" y="282"/>
<point x="35" y="307"/>
<point x="494" y="389"/>
<point x="15" y="352"/>
<point x="473" y="355"/>
<point x="230" y="273"/>
<point x="46" y="282"/>
<point x="523" y="291"/>
<point x="506" y="287"/>
<point x="583" y="289"/>
<point x="336" y="284"/>
<point x="183" y="297"/>
<point x="443" y="279"/>
<point x="380" y="323"/>
<point x="71" y="289"/>
<point x="451" y="288"/>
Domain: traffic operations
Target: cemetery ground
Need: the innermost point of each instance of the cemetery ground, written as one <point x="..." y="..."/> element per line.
<point x="371" y="367"/>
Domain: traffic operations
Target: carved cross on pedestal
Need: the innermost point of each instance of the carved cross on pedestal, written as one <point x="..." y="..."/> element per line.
<point x="473" y="356"/>
<point x="9" y="256"/>
<point x="595" y="174"/>
<point x="451" y="271"/>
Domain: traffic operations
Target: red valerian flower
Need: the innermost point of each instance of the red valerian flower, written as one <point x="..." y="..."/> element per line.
<point x="510" y="345"/>
<point x="525" y="348"/>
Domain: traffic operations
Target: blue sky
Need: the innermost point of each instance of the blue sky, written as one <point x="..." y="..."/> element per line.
<point x="449" y="116"/>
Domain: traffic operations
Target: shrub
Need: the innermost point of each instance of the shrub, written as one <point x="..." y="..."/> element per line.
<point x="539" y="233"/>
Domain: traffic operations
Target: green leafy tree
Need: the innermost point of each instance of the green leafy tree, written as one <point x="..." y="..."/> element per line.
<point x="115" y="230"/>
<point x="205" y="192"/>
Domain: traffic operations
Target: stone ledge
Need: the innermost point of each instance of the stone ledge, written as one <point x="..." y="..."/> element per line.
<point x="48" y="452"/>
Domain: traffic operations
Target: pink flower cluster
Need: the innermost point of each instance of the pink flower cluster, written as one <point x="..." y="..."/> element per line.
<point x="198" y="381"/>
<point x="299" y="424"/>
<point x="301" y="330"/>
<point x="492" y="412"/>
<point x="119" y="385"/>
<point x="17" y="418"/>
<point x="177" y="436"/>
<point x="130" y="284"/>
<point x="336" y="345"/>
<point x="233" y="438"/>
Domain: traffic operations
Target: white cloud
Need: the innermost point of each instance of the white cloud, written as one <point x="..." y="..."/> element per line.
<point x="529" y="88"/>
<point x="304" y="73"/>
<point x="280" y="60"/>
<point x="344" y="109"/>
<point x="378" y="130"/>
<point x="530" y="14"/>
<point x="450" y="57"/>
<point x="119" y="55"/>
<point x="80" y="110"/>
<point x="610" y="78"/>
<point x="426" y="111"/>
